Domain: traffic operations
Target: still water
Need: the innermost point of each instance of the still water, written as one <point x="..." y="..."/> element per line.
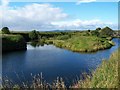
<point x="52" y="62"/>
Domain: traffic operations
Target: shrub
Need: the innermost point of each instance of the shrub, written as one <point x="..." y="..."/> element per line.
<point x="5" y="30"/>
<point x="13" y="42"/>
<point x="33" y="35"/>
<point x="106" y="31"/>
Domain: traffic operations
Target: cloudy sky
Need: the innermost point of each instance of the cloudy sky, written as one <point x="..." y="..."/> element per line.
<point x="46" y="16"/>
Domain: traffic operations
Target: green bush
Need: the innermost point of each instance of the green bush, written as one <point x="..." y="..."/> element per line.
<point x="13" y="42"/>
<point x="33" y="35"/>
<point x="106" y="32"/>
<point x="5" y="30"/>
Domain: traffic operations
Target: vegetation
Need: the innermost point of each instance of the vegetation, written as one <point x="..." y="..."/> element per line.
<point x="98" y="29"/>
<point x="106" y="32"/>
<point x="78" y="41"/>
<point x="37" y="83"/>
<point x="24" y="34"/>
<point x="5" y="30"/>
<point x="13" y="42"/>
<point x="81" y="43"/>
<point x="33" y="35"/>
<point x="105" y="76"/>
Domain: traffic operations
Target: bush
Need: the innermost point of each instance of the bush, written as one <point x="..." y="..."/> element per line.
<point x="33" y="35"/>
<point x="13" y="42"/>
<point x="95" y="33"/>
<point x="106" y="31"/>
<point x="5" y="30"/>
<point x="98" y="29"/>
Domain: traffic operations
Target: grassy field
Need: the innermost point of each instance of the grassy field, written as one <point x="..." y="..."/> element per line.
<point x="105" y="76"/>
<point x="78" y="43"/>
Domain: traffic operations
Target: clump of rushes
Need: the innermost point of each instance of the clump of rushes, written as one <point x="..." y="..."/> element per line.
<point x="38" y="82"/>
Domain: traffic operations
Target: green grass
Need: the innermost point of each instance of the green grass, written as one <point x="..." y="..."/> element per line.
<point x="15" y="38"/>
<point x="13" y="42"/>
<point x="105" y="76"/>
<point x="82" y="43"/>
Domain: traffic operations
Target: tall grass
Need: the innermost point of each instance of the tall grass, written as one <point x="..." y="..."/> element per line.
<point x="38" y="82"/>
<point x="105" y="76"/>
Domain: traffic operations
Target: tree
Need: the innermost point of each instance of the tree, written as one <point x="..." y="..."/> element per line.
<point x="89" y="30"/>
<point x="106" y="31"/>
<point x="5" y="30"/>
<point x="98" y="29"/>
<point x="95" y="33"/>
<point x="33" y="35"/>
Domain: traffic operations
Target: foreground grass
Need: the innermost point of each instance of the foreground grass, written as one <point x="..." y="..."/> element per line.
<point x="105" y="76"/>
<point x="82" y="43"/>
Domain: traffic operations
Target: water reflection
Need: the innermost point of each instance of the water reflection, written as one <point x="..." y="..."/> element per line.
<point x="36" y="43"/>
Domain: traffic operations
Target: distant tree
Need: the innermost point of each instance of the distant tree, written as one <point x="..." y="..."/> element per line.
<point x="89" y="30"/>
<point x="5" y="30"/>
<point x="98" y="29"/>
<point x="34" y="43"/>
<point x="106" y="31"/>
<point x="33" y="35"/>
<point x="95" y="33"/>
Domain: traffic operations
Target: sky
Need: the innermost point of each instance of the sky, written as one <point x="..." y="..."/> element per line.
<point x="51" y="15"/>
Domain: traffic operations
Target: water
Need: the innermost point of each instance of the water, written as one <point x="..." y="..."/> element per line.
<point x="52" y="62"/>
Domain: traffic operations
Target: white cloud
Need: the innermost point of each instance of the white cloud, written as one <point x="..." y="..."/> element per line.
<point x="32" y="16"/>
<point x="84" y="1"/>
<point x="44" y="17"/>
<point x="5" y="2"/>
<point x="83" y="24"/>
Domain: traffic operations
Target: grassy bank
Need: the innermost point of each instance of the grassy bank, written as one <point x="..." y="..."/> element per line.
<point x="78" y="43"/>
<point x="12" y="43"/>
<point x="105" y="76"/>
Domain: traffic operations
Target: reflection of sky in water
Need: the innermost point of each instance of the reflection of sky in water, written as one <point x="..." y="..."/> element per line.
<point x="52" y="62"/>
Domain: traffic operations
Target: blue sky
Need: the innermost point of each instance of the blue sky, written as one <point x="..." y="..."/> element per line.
<point x="68" y="15"/>
<point x="106" y="11"/>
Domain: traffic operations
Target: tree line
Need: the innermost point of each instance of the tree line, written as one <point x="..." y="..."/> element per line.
<point x="35" y="35"/>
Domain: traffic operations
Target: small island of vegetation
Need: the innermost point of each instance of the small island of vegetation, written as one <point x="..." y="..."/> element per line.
<point x="83" y="43"/>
